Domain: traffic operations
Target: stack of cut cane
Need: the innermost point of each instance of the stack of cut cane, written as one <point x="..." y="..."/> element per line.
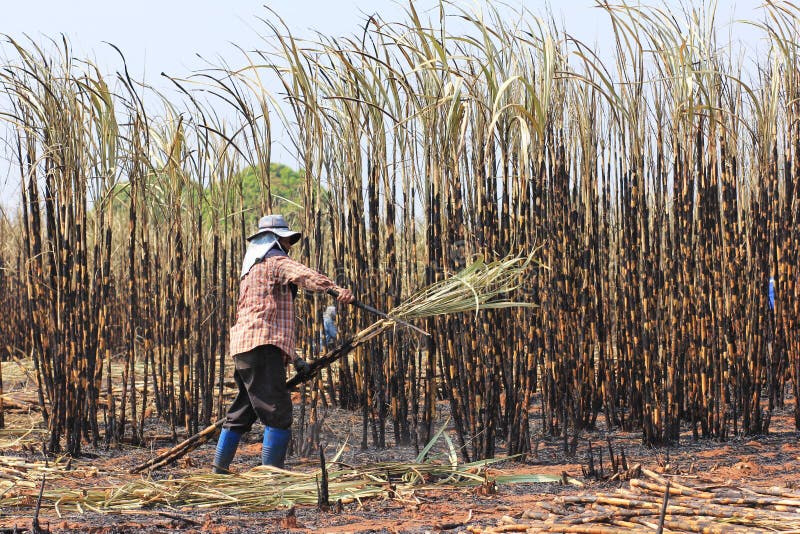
<point x="663" y="503"/>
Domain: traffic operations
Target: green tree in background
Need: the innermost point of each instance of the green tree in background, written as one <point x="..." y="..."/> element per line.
<point x="287" y="188"/>
<point x="286" y="184"/>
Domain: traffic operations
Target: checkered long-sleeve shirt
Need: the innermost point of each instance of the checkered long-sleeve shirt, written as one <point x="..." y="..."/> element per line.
<point x="265" y="314"/>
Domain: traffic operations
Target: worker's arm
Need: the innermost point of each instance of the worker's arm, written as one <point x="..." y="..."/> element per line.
<point x="289" y="271"/>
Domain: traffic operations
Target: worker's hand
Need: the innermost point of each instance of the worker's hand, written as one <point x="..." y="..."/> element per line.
<point x="301" y="366"/>
<point x="345" y="296"/>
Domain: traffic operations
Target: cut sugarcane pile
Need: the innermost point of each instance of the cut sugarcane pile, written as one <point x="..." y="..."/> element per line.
<point x="21" y="429"/>
<point x="20" y="478"/>
<point x="15" y="469"/>
<point x="642" y="507"/>
<point x="267" y="488"/>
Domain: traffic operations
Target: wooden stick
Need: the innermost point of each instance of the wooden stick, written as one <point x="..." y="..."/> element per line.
<point x="663" y="513"/>
<point x="35" y="527"/>
<point x="180" y="449"/>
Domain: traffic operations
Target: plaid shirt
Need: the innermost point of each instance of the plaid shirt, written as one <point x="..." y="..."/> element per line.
<point x="265" y="314"/>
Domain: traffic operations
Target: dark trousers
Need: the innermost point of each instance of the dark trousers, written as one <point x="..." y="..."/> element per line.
<point x="261" y="377"/>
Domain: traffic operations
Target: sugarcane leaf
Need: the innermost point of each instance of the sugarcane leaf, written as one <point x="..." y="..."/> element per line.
<point x="452" y="455"/>
<point x="424" y="452"/>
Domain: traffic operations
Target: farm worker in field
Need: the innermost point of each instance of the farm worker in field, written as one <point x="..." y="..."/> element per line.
<point x="772" y="293"/>
<point x="262" y="341"/>
<point x="329" y="330"/>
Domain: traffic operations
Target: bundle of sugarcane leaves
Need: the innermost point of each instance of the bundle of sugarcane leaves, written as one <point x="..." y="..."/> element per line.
<point x="266" y="488"/>
<point x="480" y="286"/>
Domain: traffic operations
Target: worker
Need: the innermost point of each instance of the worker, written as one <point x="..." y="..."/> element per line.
<point x="772" y="293"/>
<point x="329" y="330"/>
<point x="262" y="341"/>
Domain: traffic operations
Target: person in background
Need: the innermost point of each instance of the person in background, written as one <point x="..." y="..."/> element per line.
<point x="772" y="293"/>
<point x="263" y="341"/>
<point x="329" y="330"/>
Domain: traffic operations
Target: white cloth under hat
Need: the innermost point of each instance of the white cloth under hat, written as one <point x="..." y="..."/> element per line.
<point x="257" y="249"/>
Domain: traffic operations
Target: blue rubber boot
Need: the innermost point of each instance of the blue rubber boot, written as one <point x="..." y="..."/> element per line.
<point x="226" y="449"/>
<point x="273" y="450"/>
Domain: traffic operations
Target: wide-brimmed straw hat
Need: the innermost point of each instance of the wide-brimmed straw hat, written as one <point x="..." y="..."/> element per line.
<point x="278" y="226"/>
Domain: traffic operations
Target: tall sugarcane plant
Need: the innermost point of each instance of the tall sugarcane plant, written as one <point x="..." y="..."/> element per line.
<point x="660" y="185"/>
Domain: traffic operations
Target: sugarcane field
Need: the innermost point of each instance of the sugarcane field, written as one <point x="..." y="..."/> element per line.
<point x="457" y="267"/>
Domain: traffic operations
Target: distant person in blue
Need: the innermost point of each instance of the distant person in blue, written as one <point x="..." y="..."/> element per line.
<point x="329" y="331"/>
<point x="772" y="293"/>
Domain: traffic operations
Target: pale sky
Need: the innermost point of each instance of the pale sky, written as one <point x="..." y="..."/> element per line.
<point x="168" y="35"/>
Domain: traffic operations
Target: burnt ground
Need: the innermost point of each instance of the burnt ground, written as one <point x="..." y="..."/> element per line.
<point x="755" y="461"/>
